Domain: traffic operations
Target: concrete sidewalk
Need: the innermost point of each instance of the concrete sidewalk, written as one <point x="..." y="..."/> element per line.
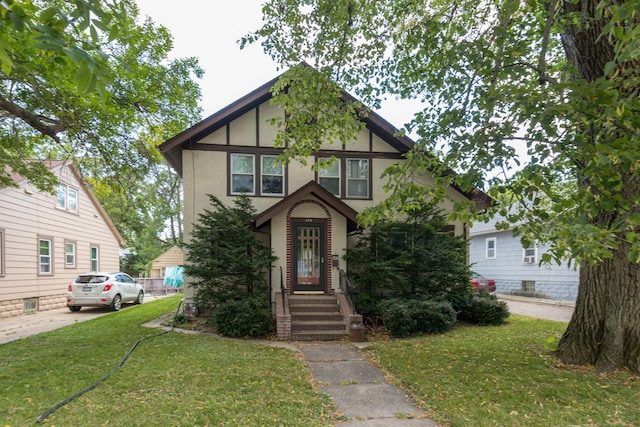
<point x="359" y="389"/>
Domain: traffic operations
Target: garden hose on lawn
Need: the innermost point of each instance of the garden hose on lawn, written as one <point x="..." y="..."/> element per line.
<point x="115" y="368"/>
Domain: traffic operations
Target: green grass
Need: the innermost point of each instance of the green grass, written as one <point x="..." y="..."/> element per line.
<point x="471" y="376"/>
<point x="504" y="376"/>
<point x="174" y="379"/>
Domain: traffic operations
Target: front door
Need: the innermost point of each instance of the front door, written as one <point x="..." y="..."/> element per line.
<point x="308" y="257"/>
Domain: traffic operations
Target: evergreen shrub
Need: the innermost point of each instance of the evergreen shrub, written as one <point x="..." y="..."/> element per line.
<point x="247" y="317"/>
<point x="410" y="317"/>
<point x="484" y="308"/>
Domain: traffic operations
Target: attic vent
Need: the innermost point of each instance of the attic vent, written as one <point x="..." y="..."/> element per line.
<point x="30" y="305"/>
<point x="528" y="285"/>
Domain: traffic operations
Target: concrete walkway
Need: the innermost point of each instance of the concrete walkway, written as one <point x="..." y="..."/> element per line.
<point x="359" y="389"/>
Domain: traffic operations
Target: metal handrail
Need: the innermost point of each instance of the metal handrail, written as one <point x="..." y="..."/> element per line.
<point x="347" y="289"/>
<point x="284" y="307"/>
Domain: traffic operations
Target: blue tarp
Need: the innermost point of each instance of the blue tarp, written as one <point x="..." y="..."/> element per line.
<point x="174" y="277"/>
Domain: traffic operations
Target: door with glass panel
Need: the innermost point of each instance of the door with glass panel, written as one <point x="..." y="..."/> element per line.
<point x="308" y="255"/>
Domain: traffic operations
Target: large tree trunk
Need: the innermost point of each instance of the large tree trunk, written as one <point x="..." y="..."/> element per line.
<point x="605" y="327"/>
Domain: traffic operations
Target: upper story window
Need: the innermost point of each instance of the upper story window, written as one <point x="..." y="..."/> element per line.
<point x="272" y="177"/>
<point x="490" y="248"/>
<point x="529" y="255"/>
<point x="66" y="198"/>
<point x="358" y="178"/>
<point x="329" y="176"/>
<point x="242" y="174"/>
<point x="356" y="172"/>
<point x="45" y="256"/>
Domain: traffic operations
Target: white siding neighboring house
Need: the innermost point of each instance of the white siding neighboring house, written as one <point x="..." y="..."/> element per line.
<point x="499" y="255"/>
<point x="46" y="240"/>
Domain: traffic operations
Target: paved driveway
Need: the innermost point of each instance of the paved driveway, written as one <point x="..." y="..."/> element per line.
<point x="539" y="307"/>
<point x="15" y="327"/>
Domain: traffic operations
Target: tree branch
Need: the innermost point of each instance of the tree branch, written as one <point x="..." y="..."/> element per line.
<point x="32" y="119"/>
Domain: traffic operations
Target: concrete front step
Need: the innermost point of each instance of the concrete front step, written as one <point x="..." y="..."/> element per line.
<point x="317" y="326"/>
<point x="314" y="308"/>
<point x="316" y="318"/>
<point x="317" y="335"/>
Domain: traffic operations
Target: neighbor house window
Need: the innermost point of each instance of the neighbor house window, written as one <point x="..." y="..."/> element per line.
<point x="95" y="258"/>
<point x="491" y="248"/>
<point x="329" y="175"/>
<point x="272" y="176"/>
<point x="67" y="198"/>
<point x="45" y="256"/>
<point x="358" y="178"/>
<point x="70" y="254"/>
<point x="529" y="255"/>
<point x="242" y="174"/>
<point x="1" y="252"/>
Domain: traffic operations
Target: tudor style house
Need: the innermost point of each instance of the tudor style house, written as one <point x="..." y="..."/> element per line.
<point x="46" y="240"/>
<point x="305" y="216"/>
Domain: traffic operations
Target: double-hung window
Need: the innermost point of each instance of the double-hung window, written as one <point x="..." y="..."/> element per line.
<point x="272" y="176"/>
<point x="329" y="175"/>
<point x="529" y="255"/>
<point x="358" y="178"/>
<point x="95" y="258"/>
<point x="490" y="248"/>
<point x="356" y="174"/>
<point x="70" y="254"/>
<point x="66" y="198"/>
<point x="242" y="174"/>
<point x="45" y="252"/>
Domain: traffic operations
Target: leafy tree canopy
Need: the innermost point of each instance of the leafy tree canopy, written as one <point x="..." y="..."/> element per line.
<point x="560" y="77"/>
<point x="90" y="81"/>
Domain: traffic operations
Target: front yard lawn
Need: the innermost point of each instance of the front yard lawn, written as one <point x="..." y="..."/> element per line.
<point x="175" y="379"/>
<point x="504" y="376"/>
<point x="470" y="376"/>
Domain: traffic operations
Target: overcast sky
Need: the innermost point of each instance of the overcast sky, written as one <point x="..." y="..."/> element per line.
<point x="209" y="30"/>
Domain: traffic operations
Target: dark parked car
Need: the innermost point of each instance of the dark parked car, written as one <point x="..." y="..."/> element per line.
<point x="482" y="283"/>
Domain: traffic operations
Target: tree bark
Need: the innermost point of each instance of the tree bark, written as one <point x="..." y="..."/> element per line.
<point x="605" y="328"/>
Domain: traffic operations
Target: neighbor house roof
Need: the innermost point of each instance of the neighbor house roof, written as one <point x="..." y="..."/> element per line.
<point x="56" y="164"/>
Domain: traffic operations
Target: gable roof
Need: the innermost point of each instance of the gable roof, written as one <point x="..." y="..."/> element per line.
<point x="54" y="165"/>
<point x="172" y="148"/>
<point x="312" y="188"/>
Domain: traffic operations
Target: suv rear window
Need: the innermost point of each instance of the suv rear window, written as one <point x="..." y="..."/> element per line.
<point x="91" y="279"/>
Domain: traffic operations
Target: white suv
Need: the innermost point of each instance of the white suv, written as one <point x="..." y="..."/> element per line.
<point x="103" y="290"/>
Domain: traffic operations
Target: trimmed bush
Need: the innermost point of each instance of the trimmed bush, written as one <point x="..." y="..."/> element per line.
<point x="484" y="308"/>
<point x="248" y="317"/>
<point x="405" y="318"/>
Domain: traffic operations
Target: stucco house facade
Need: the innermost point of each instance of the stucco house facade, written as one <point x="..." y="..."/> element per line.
<point x="46" y="240"/>
<point x="499" y="255"/>
<point x="305" y="216"/>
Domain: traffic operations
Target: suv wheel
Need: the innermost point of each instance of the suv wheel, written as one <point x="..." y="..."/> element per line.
<point x="116" y="303"/>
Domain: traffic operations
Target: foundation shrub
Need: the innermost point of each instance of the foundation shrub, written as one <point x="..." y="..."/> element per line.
<point x="484" y="308"/>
